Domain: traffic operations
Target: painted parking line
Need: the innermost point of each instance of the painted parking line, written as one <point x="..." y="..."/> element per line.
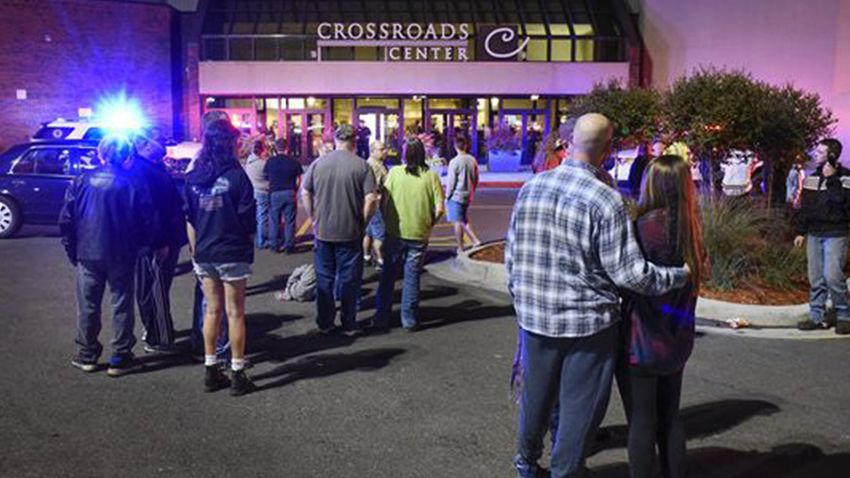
<point x="304" y="227"/>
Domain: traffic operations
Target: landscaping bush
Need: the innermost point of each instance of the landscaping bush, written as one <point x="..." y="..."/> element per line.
<point x="749" y="248"/>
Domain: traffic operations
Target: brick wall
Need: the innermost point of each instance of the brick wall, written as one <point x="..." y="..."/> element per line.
<point x="68" y="53"/>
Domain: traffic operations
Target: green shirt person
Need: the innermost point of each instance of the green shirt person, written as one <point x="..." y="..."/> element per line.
<point x="412" y="204"/>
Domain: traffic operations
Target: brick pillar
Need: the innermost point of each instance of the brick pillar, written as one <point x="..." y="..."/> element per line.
<point x="193" y="110"/>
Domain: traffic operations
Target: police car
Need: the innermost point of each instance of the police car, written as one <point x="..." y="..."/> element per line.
<point x="63" y="130"/>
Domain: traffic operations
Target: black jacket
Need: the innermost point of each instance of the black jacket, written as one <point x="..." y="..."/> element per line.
<point x="825" y="204"/>
<point x="221" y="208"/>
<point x="105" y="218"/>
<point x="155" y="181"/>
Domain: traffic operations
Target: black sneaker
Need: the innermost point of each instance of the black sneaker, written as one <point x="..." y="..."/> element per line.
<point x="842" y="327"/>
<point x="121" y="367"/>
<point x="86" y="365"/>
<point x="809" y="324"/>
<point x="214" y="379"/>
<point x="241" y="384"/>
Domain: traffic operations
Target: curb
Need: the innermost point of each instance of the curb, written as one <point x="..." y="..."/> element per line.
<point x="493" y="277"/>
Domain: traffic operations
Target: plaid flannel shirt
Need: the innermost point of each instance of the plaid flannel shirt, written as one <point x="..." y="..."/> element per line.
<point x="571" y="245"/>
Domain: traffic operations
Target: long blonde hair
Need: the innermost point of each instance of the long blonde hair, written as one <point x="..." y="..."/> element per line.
<point x="668" y="185"/>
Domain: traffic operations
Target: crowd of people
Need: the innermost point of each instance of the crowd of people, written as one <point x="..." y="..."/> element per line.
<point x="601" y="289"/>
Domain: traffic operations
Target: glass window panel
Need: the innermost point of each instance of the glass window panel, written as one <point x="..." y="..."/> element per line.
<point x="241" y="49"/>
<point x="292" y="49"/>
<point x="516" y="104"/>
<point x="561" y="50"/>
<point x="536" y="50"/>
<point x="295" y="103"/>
<point x="445" y="103"/>
<point x="215" y="49"/>
<point x="342" y="110"/>
<point x="413" y="122"/>
<point x="366" y="53"/>
<point x="266" y="49"/>
<point x="314" y="103"/>
<point x="584" y="50"/>
<point x="560" y="29"/>
<point x="535" y="29"/>
<point x="391" y="103"/>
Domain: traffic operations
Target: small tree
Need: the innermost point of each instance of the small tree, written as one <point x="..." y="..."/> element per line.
<point x="791" y="122"/>
<point x="634" y="112"/>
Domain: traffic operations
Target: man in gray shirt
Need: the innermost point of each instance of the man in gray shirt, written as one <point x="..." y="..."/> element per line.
<point x="340" y="195"/>
<point x="463" y="180"/>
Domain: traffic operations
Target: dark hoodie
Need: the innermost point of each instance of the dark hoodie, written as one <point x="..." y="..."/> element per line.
<point x="220" y="206"/>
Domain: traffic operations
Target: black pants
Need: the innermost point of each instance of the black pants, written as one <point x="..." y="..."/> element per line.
<point x="652" y="403"/>
<point x="156" y="311"/>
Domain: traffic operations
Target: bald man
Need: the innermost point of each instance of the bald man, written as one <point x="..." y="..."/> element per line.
<point x="571" y="247"/>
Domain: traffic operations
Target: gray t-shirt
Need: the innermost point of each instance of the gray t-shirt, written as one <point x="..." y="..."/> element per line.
<point x="463" y="178"/>
<point x="339" y="183"/>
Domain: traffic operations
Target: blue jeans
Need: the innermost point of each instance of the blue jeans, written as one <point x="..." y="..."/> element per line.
<point x="410" y="255"/>
<point x="577" y="372"/>
<point x="285" y="205"/>
<point x="339" y="266"/>
<point x="92" y="278"/>
<point x="826" y="257"/>
<point x="262" y="199"/>
<point x="222" y="348"/>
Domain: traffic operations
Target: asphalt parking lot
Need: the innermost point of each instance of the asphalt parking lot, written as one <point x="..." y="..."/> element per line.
<point x="431" y="404"/>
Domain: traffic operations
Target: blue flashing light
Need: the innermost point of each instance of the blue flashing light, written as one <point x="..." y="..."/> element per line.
<point x="120" y="116"/>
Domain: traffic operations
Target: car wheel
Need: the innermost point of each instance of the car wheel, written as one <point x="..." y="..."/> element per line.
<point x="10" y="217"/>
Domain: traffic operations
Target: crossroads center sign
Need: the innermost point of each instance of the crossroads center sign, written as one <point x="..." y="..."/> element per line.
<point x="422" y="42"/>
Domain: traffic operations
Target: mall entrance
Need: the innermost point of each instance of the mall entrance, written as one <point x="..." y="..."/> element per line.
<point x="306" y="122"/>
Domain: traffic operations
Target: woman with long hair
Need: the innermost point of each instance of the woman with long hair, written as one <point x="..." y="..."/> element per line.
<point x="659" y="331"/>
<point x="412" y="204"/>
<point x="221" y="213"/>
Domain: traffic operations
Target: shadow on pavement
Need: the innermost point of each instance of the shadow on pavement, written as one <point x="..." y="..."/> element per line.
<point x="793" y="460"/>
<point x="275" y="284"/>
<point x="469" y="310"/>
<point x="698" y="421"/>
<point x="325" y="365"/>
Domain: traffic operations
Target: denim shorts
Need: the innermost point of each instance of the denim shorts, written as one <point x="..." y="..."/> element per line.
<point x="224" y="271"/>
<point x="456" y="212"/>
<point x="376" y="229"/>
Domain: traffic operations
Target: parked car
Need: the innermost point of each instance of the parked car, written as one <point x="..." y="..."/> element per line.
<point x="33" y="180"/>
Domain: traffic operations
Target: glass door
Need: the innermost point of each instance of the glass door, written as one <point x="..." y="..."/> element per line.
<point x="531" y="127"/>
<point x="446" y="125"/>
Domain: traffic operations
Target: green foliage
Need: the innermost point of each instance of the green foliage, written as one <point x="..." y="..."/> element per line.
<point x="782" y="266"/>
<point x="746" y="245"/>
<point x="729" y="230"/>
<point x="791" y="122"/>
<point x="717" y="110"/>
<point x="635" y="112"/>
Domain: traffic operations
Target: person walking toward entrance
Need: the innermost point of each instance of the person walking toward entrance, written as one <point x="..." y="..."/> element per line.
<point x="220" y="207"/>
<point x="570" y="249"/>
<point x="339" y="194"/>
<point x="283" y="173"/>
<point x="373" y="241"/>
<point x="363" y="136"/>
<point x="659" y="331"/>
<point x="463" y="181"/>
<point x="413" y="203"/>
<point x="824" y="224"/>
<point x="105" y="222"/>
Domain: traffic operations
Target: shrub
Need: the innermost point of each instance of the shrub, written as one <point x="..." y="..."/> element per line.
<point x="750" y="248"/>
<point x="731" y="230"/>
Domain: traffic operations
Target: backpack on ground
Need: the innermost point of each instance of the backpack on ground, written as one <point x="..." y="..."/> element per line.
<point x="301" y="285"/>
